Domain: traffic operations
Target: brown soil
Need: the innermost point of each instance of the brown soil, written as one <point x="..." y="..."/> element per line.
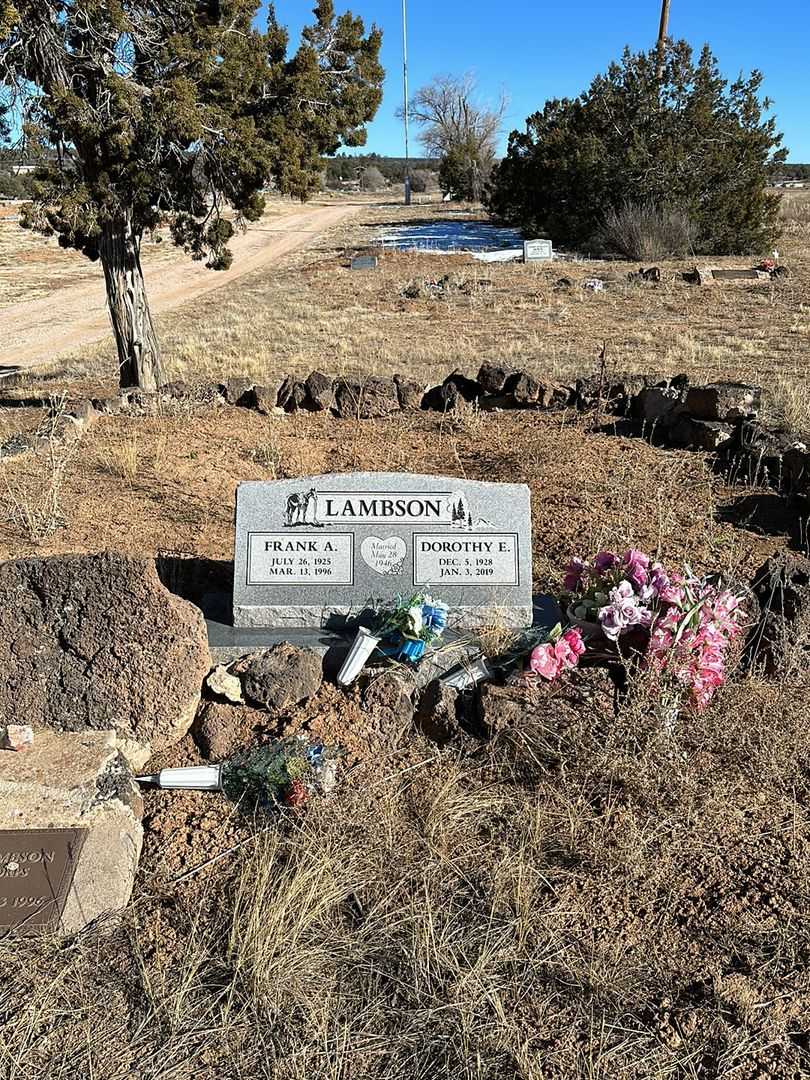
<point x="580" y="897"/>
<point x="587" y="489"/>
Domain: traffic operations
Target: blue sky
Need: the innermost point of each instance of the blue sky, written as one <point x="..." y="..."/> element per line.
<point x="537" y="49"/>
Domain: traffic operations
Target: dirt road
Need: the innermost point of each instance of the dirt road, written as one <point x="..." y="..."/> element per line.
<point x="35" y="331"/>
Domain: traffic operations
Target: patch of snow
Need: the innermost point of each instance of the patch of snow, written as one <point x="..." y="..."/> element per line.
<point x="450" y="237"/>
<point x="507" y="255"/>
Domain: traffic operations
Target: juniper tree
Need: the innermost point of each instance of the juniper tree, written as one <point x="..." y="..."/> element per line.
<point x="177" y="112"/>
<point x="679" y="138"/>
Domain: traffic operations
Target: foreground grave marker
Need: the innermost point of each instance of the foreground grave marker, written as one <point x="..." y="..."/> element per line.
<point x="36" y="872"/>
<point x="70" y="831"/>
<point x="321" y="546"/>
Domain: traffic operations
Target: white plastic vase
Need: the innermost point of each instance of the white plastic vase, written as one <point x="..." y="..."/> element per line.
<point x="468" y="676"/>
<point x="363" y="646"/>
<point x="193" y="778"/>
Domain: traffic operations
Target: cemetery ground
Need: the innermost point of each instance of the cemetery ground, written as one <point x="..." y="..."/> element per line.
<point x="566" y="893"/>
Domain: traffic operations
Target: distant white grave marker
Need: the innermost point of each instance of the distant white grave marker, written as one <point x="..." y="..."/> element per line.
<point x="537" y="250"/>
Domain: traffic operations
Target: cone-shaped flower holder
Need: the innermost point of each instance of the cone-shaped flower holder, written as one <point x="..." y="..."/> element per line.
<point x="192" y="778"/>
<point x="361" y="649"/>
<point x="464" y="678"/>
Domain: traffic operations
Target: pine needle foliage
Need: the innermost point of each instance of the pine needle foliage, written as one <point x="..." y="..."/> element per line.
<point x="177" y="111"/>
<point x="689" y="142"/>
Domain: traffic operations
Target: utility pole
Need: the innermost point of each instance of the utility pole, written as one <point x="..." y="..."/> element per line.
<point x="405" y="112"/>
<point x="662" y="38"/>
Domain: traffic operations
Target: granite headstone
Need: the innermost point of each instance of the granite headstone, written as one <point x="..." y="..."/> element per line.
<point x="537" y="250"/>
<point x="311" y="549"/>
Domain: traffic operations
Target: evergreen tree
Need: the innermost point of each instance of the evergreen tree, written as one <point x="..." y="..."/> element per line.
<point x="688" y="141"/>
<point x="174" y="111"/>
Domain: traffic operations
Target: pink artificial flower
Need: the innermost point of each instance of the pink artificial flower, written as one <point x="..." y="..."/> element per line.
<point x="636" y="565"/>
<point x="566" y="657"/>
<point x="543" y="661"/>
<point x="573" y="575"/>
<point x="575" y="642"/>
<point x="605" y="561"/>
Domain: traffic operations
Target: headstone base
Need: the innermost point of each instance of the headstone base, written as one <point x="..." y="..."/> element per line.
<point x="228" y="642"/>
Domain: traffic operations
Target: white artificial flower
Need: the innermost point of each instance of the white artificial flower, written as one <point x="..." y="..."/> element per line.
<point x="415" y="616"/>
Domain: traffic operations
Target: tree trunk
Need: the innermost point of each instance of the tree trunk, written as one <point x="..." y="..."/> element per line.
<point x="138" y="350"/>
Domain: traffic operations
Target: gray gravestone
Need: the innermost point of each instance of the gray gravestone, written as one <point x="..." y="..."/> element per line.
<point x="364" y="262"/>
<point x="537" y="250"/>
<point x="322" y="546"/>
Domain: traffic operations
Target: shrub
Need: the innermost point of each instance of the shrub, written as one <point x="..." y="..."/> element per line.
<point x="424" y="180"/>
<point x="685" y="138"/>
<point x="15" y="185"/>
<point x="372" y="179"/>
<point x="645" y="231"/>
<point x="464" y="173"/>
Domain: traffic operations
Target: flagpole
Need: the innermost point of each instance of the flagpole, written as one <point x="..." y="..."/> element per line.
<point x="405" y="111"/>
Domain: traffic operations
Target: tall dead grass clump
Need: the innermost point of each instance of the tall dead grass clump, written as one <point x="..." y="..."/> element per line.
<point x="280" y="947"/>
<point x="645" y="230"/>
<point x="37" y="507"/>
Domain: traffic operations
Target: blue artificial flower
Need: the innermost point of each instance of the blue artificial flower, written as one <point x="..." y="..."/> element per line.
<point x="315" y="755"/>
<point x="434" y="615"/>
<point x="411" y="650"/>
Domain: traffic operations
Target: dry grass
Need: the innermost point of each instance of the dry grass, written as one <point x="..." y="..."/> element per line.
<point x="316" y="313"/>
<point x="581" y="897"/>
<point x="795" y="206"/>
<point x="34" y="502"/>
<point x="584" y="898"/>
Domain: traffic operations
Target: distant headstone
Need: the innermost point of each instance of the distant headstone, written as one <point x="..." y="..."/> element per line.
<point x="323" y="546"/>
<point x="724" y="274"/>
<point x="364" y="262"/>
<point x="537" y="250"/>
<point x="37" y="867"/>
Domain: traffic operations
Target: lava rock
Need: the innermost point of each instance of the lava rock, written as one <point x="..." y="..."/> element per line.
<point x="292" y="395"/>
<point x="438" y="714"/>
<point x="523" y="388"/>
<point x="723" y="401"/>
<point x="492" y="378"/>
<point x="320" y="390"/>
<point x="238" y="390"/>
<point x="457" y="391"/>
<point x="219" y="730"/>
<point x="614" y="393"/>
<point x="98" y="642"/>
<point x="458" y="383"/>
<point x="796" y="462"/>
<point x="656" y="404"/>
<point x="410" y="392"/>
<point x="264" y="398"/>
<point x="782" y="588"/>
<point x="281" y="676"/>
<point x="392" y="692"/>
<point x="363" y="400"/>
<point x="694" y="434"/>
<point x="387" y="697"/>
